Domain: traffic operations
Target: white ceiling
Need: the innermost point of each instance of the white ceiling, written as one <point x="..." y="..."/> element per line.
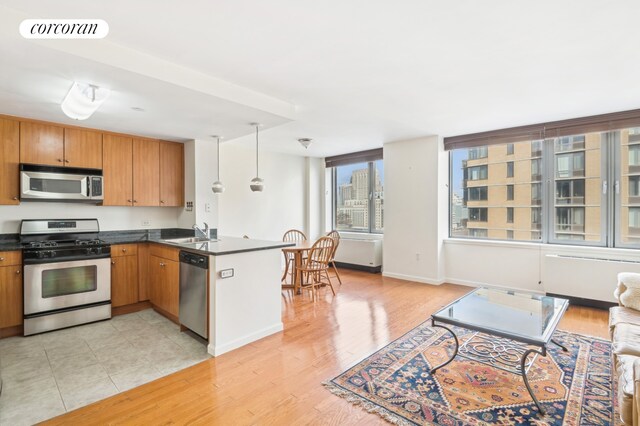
<point x="351" y="75"/>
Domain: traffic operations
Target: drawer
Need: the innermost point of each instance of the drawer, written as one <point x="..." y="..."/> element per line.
<point x="10" y="258"/>
<point x="165" y="252"/>
<point x="118" y="250"/>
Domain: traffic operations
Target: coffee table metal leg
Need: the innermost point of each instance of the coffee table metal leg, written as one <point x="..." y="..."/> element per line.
<point x="523" y="369"/>
<point x="455" y="352"/>
<point x="561" y="346"/>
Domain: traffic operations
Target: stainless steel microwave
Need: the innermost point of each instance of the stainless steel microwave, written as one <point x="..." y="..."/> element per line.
<point x="43" y="183"/>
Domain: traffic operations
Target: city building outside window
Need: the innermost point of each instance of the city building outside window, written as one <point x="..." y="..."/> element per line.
<point x="510" y="169"/>
<point x="359" y="197"/>
<point x="593" y="197"/>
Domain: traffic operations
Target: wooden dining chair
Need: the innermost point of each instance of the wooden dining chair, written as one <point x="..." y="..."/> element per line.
<point x="292" y="235"/>
<point x="316" y="267"/>
<point x="335" y="235"/>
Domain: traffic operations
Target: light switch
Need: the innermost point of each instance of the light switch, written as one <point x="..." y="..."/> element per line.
<point x="226" y="273"/>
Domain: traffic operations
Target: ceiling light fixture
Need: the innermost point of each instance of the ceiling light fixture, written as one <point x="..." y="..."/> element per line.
<point x="83" y="100"/>
<point x="256" y="184"/>
<point x="217" y="187"/>
<point x="306" y="142"/>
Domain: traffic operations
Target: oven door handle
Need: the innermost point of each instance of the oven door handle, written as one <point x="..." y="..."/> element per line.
<point x="66" y="259"/>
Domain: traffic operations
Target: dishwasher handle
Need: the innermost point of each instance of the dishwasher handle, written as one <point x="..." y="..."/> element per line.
<point x="193" y="259"/>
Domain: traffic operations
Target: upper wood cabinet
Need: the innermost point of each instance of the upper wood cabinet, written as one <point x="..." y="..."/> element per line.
<point x="9" y="161"/>
<point x="146" y="172"/>
<point x="117" y="162"/>
<point x="57" y="146"/>
<point x="82" y="148"/>
<point x="41" y="144"/>
<point x="171" y="174"/>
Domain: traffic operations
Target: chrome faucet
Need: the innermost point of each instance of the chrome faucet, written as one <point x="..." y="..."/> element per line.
<point x="205" y="232"/>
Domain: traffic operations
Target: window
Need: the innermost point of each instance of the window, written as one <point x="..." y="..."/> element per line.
<point x="359" y="197"/>
<point x="570" y="191"/>
<point x="536" y="218"/>
<point x="509" y="149"/>
<point x="479" y="152"/>
<point x="478" y="214"/>
<point x="536" y="169"/>
<point x="634" y="220"/>
<point x="634" y="155"/>
<point x="478" y="233"/>
<point x="634" y="186"/>
<point x="570" y="165"/>
<point x="509" y="234"/>
<point x="510" y="169"/>
<point x="570" y="143"/>
<point x="478" y="193"/>
<point x="478" y="172"/>
<point x="509" y="192"/>
<point x="536" y="194"/>
<point x="509" y="214"/>
<point x="536" y="148"/>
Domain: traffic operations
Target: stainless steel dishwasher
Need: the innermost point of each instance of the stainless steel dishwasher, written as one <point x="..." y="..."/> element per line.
<point x="194" y="269"/>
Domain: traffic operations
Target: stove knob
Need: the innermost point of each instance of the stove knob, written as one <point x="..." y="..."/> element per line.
<point x="40" y="255"/>
<point x="98" y="250"/>
<point x="52" y="253"/>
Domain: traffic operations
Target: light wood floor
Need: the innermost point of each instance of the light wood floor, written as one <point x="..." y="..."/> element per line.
<point x="277" y="380"/>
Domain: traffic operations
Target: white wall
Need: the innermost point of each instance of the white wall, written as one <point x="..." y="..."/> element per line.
<point x="110" y="218"/>
<point x="263" y="215"/>
<point x="414" y="214"/>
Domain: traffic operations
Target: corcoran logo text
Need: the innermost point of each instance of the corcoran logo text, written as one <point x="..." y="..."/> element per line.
<point x="64" y="28"/>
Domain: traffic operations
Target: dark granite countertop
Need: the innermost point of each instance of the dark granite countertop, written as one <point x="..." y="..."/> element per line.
<point x="219" y="247"/>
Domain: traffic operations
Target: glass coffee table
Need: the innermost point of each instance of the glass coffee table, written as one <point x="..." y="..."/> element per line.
<point x="509" y="327"/>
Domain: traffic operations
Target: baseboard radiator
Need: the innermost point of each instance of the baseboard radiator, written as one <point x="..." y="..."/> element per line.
<point x="592" y="278"/>
<point x="366" y="254"/>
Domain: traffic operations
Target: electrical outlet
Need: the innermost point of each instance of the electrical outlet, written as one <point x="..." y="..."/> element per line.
<point x="207" y="207"/>
<point x="146" y="223"/>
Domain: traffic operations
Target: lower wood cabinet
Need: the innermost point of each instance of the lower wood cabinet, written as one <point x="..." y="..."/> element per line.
<point x="124" y="280"/>
<point x="164" y="282"/>
<point x="124" y="274"/>
<point x="10" y="296"/>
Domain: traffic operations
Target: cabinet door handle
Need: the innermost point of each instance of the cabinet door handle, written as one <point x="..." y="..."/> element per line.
<point x="129" y="201"/>
<point x="18" y="272"/>
<point x="162" y="264"/>
<point x="59" y="160"/>
<point x="15" y="198"/>
<point x="135" y="201"/>
<point x="124" y="250"/>
<point x="113" y="263"/>
<point x="161" y="201"/>
<point x="66" y="161"/>
<point x="1" y="259"/>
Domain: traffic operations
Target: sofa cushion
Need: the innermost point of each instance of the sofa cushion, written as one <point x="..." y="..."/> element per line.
<point x="621" y="315"/>
<point x="625" y="387"/>
<point x="626" y="339"/>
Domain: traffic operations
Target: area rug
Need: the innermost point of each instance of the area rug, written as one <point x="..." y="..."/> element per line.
<point x="574" y="387"/>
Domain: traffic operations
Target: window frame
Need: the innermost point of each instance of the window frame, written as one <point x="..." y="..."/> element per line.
<point x="371" y="213"/>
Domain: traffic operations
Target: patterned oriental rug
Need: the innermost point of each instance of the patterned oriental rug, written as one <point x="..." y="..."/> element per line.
<point x="574" y="387"/>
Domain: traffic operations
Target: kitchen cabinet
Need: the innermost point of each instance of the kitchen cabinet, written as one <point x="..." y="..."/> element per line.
<point x="124" y="274"/>
<point x="117" y="162"/>
<point x="164" y="276"/>
<point x="82" y="148"/>
<point x="146" y="172"/>
<point x="41" y="144"/>
<point x="171" y="174"/>
<point x="10" y="289"/>
<point x="52" y="145"/>
<point x="9" y="161"/>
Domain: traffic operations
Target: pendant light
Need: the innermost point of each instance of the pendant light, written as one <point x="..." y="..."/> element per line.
<point x="218" y="187"/>
<point x="256" y="184"/>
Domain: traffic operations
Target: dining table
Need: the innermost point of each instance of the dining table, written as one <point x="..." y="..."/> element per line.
<point x="298" y="251"/>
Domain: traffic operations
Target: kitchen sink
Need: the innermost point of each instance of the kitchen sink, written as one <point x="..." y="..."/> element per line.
<point x="189" y="240"/>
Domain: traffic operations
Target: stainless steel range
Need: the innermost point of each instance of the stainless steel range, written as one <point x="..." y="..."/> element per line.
<point x="67" y="274"/>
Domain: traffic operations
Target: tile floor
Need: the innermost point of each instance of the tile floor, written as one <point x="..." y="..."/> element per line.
<point x="48" y="374"/>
